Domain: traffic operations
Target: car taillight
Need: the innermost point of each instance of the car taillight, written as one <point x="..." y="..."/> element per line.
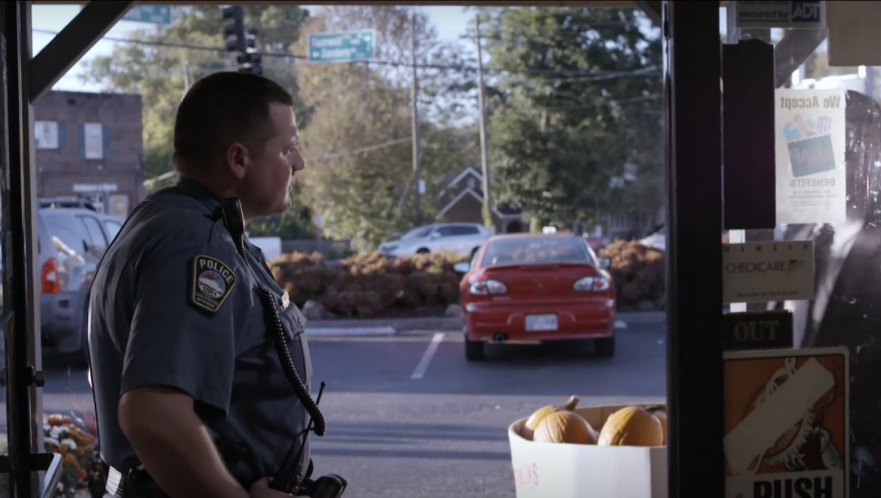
<point x="485" y="287"/>
<point x="51" y="278"/>
<point x="591" y="284"/>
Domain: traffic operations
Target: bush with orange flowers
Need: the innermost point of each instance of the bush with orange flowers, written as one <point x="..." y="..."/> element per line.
<point x="82" y="473"/>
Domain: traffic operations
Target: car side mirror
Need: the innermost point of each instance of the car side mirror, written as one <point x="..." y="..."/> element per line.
<point x="434" y="235"/>
<point x="463" y="267"/>
<point x="605" y="263"/>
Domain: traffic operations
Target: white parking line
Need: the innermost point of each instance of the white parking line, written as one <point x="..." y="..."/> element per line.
<point x="426" y="358"/>
<point x="349" y="331"/>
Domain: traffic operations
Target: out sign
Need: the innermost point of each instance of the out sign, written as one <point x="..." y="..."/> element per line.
<point x="757" y="330"/>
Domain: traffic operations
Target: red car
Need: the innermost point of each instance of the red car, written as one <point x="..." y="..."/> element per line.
<point x="530" y="287"/>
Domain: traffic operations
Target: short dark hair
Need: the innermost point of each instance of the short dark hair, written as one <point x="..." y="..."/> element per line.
<point x="222" y="108"/>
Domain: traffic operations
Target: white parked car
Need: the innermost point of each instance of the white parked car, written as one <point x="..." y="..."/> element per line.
<point x="461" y="238"/>
<point x="657" y="239"/>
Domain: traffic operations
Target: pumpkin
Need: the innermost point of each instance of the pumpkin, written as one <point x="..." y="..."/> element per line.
<point x="536" y="417"/>
<point x="631" y="426"/>
<point x="661" y="415"/>
<point x="564" y="426"/>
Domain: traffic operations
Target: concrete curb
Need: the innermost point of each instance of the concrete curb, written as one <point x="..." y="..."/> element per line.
<point x="391" y="326"/>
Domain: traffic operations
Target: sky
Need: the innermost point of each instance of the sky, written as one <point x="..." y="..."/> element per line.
<point x="450" y="23"/>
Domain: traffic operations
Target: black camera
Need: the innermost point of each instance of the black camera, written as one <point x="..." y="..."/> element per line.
<point x="329" y="486"/>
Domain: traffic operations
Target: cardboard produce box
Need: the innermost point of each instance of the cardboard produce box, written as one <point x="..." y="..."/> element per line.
<point x="560" y="470"/>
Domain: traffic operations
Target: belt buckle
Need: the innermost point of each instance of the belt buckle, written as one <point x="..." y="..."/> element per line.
<point x="115" y="483"/>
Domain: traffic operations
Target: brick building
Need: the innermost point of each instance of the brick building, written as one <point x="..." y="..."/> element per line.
<point x="89" y="146"/>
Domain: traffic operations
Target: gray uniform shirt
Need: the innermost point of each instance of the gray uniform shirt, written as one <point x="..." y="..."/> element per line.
<point x="175" y="304"/>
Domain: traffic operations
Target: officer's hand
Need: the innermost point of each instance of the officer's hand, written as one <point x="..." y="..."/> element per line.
<point x="261" y="489"/>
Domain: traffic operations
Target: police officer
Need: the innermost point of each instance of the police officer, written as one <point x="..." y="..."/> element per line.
<point x="189" y="387"/>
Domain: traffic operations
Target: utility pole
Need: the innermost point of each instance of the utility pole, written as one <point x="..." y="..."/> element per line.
<point x="414" y="123"/>
<point x="484" y="166"/>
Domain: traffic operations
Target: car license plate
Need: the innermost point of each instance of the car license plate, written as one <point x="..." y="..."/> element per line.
<point x="537" y="323"/>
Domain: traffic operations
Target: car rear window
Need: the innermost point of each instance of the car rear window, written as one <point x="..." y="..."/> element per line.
<point x="537" y="251"/>
<point x="93" y="227"/>
<point x="73" y="230"/>
<point x="66" y="232"/>
<point x="112" y="227"/>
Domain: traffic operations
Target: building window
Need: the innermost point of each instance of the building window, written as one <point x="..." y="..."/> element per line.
<point x="93" y="141"/>
<point x="46" y="135"/>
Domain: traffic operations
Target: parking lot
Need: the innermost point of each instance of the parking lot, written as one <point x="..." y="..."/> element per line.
<point x="407" y="416"/>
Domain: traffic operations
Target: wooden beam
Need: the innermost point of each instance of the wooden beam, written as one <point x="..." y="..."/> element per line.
<point x="620" y="4"/>
<point x="56" y="58"/>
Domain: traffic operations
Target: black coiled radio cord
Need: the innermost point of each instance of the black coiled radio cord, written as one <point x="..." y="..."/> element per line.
<point x="288" y="365"/>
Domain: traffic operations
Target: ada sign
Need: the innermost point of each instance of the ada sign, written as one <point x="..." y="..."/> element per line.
<point x="345" y="46"/>
<point x="780" y="14"/>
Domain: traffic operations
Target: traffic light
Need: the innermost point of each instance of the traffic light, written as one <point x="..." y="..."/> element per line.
<point x="234" y="28"/>
<point x="251" y="58"/>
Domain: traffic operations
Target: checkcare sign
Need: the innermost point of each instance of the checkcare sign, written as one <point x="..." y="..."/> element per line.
<point x="755" y="272"/>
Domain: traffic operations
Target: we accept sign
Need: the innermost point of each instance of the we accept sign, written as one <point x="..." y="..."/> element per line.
<point x="810" y="140"/>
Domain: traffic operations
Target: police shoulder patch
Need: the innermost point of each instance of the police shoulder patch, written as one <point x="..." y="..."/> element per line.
<point x="213" y="282"/>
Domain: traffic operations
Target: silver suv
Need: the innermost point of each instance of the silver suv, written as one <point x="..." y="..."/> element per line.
<point x="461" y="238"/>
<point x="70" y="241"/>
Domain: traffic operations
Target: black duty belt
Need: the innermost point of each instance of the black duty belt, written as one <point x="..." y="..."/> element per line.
<point x="136" y="483"/>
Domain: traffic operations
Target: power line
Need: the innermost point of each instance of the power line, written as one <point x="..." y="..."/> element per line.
<point x="369" y="148"/>
<point x="361" y="150"/>
<point x="597" y="104"/>
<point x="574" y="73"/>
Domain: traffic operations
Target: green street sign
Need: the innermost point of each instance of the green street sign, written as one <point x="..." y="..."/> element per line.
<point x="345" y="46"/>
<point x="156" y="14"/>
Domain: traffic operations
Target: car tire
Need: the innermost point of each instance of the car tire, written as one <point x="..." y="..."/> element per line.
<point x="473" y="350"/>
<point x="604" y="347"/>
<point x="422" y="251"/>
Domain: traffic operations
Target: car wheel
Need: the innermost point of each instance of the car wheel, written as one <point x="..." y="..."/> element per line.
<point x="81" y="357"/>
<point x="422" y="251"/>
<point x="473" y="350"/>
<point x="605" y="347"/>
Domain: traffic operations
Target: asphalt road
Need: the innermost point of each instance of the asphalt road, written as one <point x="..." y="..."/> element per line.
<point x="408" y="417"/>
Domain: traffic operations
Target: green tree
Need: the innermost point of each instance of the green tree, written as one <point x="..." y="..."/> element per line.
<point x="161" y="63"/>
<point x="575" y="99"/>
<point x="359" y="176"/>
